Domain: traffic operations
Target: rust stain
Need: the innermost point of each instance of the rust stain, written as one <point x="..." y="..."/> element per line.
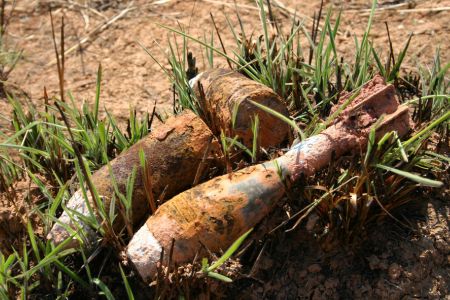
<point x="217" y="212"/>
<point x="162" y="134"/>
<point x="173" y="153"/>
<point x="225" y="89"/>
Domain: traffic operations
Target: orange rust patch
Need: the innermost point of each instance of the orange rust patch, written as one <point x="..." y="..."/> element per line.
<point x="225" y="89"/>
<point x="217" y="212"/>
<point x="173" y="152"/>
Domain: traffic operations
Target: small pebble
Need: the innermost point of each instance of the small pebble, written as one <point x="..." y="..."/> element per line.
<point x="314" y="268"/>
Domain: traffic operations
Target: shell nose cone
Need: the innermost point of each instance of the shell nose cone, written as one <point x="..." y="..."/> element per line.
<point x="144" y="252"/>
<point x="72" y="225"/>
<point x="58" y="234"/>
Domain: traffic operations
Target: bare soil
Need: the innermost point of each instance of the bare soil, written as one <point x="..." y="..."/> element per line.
<point x="132" y="79"/>
<point x="392" y="262"/>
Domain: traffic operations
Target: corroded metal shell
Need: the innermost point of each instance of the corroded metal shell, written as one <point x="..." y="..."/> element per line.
<point x="173" y="153"/>
<point x="226" y="90"/>
<point x="217" y="212"/>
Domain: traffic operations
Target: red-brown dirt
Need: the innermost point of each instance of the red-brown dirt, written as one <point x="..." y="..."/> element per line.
<point x="392" y="263"/>
<point x="131" y="78"/>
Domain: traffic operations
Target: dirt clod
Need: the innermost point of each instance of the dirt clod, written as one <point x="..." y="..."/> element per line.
<point x="395" y="271"/>
<point x="314" y="268"/>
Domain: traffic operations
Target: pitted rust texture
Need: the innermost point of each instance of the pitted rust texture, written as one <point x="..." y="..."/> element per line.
<point x="216" y="213"/>
<point x="375" y="98"/>
<point x="224" y="89"/>
<point x="375" y="102"/>
<point x="337" y="140"/>
<point x="173" y="152"/>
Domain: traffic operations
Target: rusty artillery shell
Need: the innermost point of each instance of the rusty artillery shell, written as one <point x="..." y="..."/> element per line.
<point x="217" y="212"/>
<point x="173" y="152"/>
<point x="351" y="129"/>
<point x="224" y="91"/>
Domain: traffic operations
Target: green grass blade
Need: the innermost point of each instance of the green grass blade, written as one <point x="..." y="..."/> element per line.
<point x="281" y="117"/>
<point x="126" y="283"/>
<point x="97" y="93"/>
<point x="416" y="178"/>
<point x="219" y="277"/>
<point x="229" y="252"/>
<point x="427" y="130"/>
<point x="104" y="289"/>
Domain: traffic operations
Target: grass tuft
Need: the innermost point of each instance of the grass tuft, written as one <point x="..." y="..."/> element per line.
<point x="60" y="145"/>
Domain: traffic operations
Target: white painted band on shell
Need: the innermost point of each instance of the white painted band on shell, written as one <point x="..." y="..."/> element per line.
<point x="295" y="156"/>
<point x="59" y="232"/>
<point x="144" y="252"/>
<point x="194" y="80"/>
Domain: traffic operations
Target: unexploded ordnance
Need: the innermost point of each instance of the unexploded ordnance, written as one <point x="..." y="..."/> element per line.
<point x="228" y="92"/>
<point x="217" y="212"/>
<point x="173" y="153"/>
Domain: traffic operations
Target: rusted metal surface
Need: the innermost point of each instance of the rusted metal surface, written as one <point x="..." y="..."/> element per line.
<point x="175" y="149"/>
<point x="223" y="90"/>
<point x="173" y="152"/>
<point x="350" y="130"/>
<point x="217" y="212"/>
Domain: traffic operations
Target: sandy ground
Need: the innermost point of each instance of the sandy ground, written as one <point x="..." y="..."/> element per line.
<point x="393" y="262"/>
<point x="132" y="79"/>
<point x="393" y="265"/>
